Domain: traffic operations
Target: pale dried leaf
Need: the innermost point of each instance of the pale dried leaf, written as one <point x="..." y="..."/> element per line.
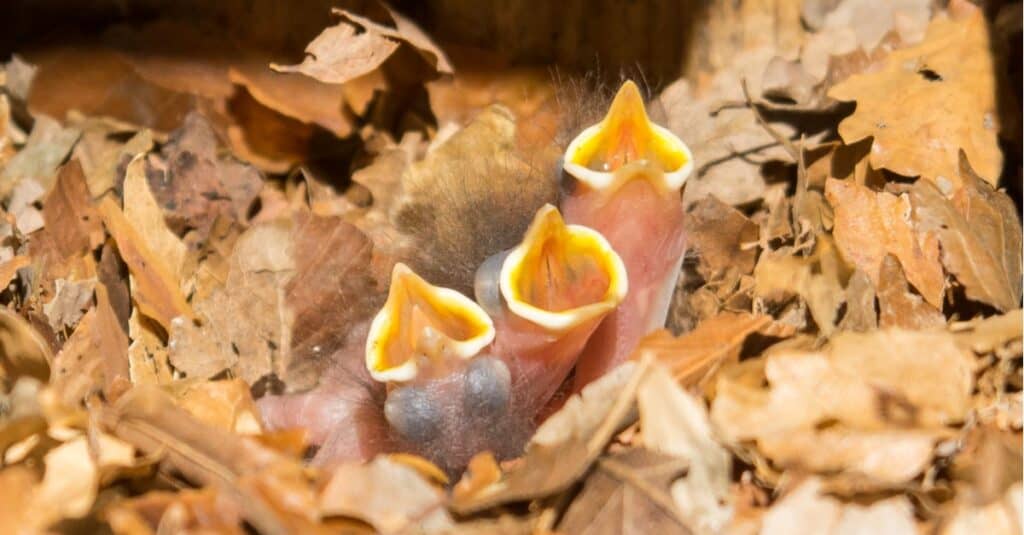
<point x="387" y="495"/>
<point x="676" y="423"/>
<point x="928" y="102"/>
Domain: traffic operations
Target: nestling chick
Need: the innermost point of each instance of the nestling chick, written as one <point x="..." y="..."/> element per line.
<point x="625" y="176"/>
<point x="445" y="376"/>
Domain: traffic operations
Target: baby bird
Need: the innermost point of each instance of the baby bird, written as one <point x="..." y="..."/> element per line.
<point x="625" y="176"/>
<point x="445" y="376"/>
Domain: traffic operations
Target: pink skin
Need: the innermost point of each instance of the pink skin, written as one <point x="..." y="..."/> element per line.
<point x="644" y="224"/>
<point x="539" y="361"/>
<point x="342" y="416"/>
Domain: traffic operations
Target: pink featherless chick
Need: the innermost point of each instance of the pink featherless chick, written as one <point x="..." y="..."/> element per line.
<point x="624" y="180"/>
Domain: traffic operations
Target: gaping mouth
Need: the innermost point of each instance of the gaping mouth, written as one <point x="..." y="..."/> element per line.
<point x="561" y="275"/>
<point x="421" y="322"/>
<point x="627" y="137"/>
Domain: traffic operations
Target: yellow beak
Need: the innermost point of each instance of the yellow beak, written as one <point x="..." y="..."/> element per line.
<point x="423" y="324"/>
<point x="561" y="275"/>
<point x="627" y="138"/>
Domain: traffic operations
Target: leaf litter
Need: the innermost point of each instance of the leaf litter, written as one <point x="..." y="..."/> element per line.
<point x="195" y="224"/>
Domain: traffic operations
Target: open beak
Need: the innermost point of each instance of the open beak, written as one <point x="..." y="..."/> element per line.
<point x="626" y="174"/>
<point x="561" y="276"/>
<point x="422" y="325"/>
<point x="553" y="290"/>
<point x="627" y="136"/>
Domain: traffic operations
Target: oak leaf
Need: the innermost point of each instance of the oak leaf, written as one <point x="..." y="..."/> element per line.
<point x="929" y="101"/>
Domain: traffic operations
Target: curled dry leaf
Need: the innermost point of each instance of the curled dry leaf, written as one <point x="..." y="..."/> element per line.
<point x="102" y="156"/>
<point x="342" y="53"/>
<point x="677" y="424"/>
<point x="980" y="236"/>
<point x="157" y="292"/>
<point x="388" y="495"/>
<point x="860" y="304"/>
<point x="69" y="304"/>
<point x="566" y="444"/>
<point x="870" y="225"/>
<point x="928" y="102"/>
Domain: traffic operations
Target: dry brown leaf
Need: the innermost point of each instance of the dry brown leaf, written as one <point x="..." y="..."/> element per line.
<point x="980" y="236"/>
<point x="70" y="215"/>
<point x="95" y="357"/>
<point x="930" y="101"/>
<point x="342" y="53"/>
<point x="860" y="304"/>
<point x="24" y="350"/>
<point x="332" y="290"/>
<point x="320" y="103"/>
<point x="676" y="423"/>
<point x="853" y="457"/>
<point x="859" y="380"/>
<point x="226" y="405"/>
<point x="17" y="489"/>
<point x="268" y="488"/>
<point x="818" y="279"/>
<point x="69" y="303"/>
<point x="628" y="492"/>
<point x="722" y="238"/>
<point x="1000" y="517"/>
<point x="389" y="496"/>
<point x="566" y="444"/>
<point x="196" y="184"/>
<point x="145" y="216"/>
<point x="870" y="225"/>
<point x="693" y="356"/>
<point x="148" y="362"/>
<point x="157" y="292"/>
<point x="259" y="268"/>
<point x="9" y="269"/>
<point x="898" y="306"/>
<point x="102" y="157"/>
<point x="46" y="148"/>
